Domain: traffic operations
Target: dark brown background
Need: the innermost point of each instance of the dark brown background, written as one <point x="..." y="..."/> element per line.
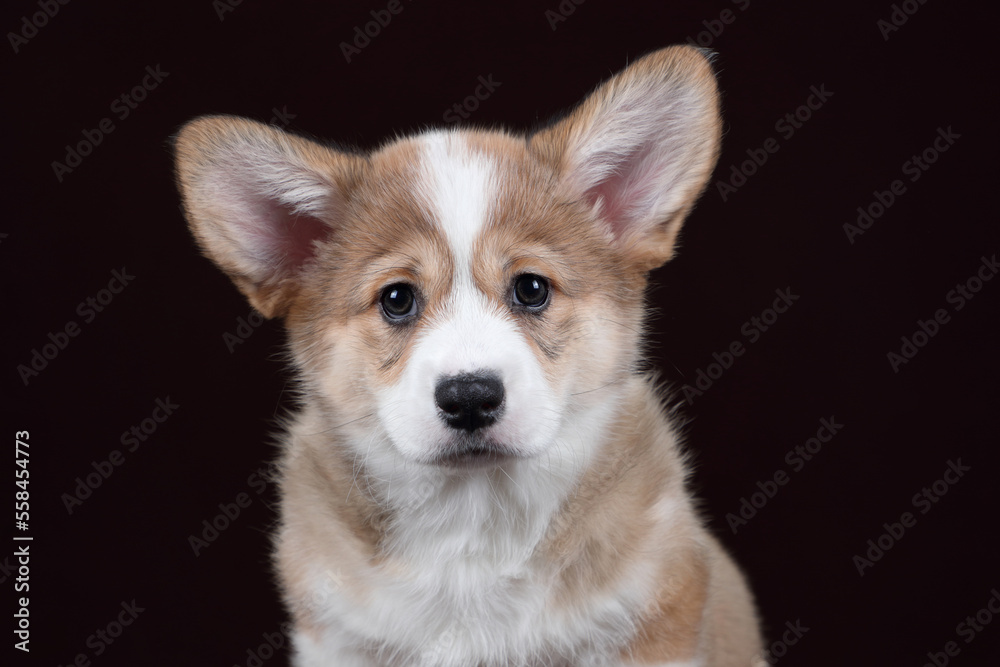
<point x="163" y="335"/>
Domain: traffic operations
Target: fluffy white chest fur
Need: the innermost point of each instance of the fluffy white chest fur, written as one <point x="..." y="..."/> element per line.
<point x="462" y="580"/>
<point x="479" y="475"/>
<point x="467" y="576"/>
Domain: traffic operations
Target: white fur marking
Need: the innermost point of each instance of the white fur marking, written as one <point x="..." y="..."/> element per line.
<point x="461" y="185"/>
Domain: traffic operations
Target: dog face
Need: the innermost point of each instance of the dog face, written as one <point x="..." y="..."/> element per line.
<point x="454" y="298"/>
<point x="471" y="324"/>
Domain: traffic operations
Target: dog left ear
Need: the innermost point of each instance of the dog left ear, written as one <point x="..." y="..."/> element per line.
<point x="258" y="200"/>
<point x="640" y="149"/>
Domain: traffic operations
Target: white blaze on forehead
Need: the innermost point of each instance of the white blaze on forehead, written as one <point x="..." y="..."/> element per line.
<point x="460" y="185"/>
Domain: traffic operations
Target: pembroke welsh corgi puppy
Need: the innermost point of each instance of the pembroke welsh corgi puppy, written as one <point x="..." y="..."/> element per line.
<point x="479" y="474"/>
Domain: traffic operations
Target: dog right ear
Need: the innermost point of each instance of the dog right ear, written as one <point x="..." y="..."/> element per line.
<point x="258" y="200"/>
<point x="640" y="149"/>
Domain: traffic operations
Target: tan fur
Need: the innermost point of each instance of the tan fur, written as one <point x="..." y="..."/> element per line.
<point x="611" y="524"/>
<point x="630" y="513"/>
<point x="211" y="138"/>
<point x="664" y="67"/>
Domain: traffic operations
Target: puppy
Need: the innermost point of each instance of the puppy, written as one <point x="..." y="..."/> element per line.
<point x="479" y="475"/>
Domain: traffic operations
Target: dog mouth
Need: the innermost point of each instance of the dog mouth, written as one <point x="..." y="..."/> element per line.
<point x="473" y="453"/>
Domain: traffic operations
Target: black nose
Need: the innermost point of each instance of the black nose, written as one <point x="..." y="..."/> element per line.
<point x="471" y="401"/>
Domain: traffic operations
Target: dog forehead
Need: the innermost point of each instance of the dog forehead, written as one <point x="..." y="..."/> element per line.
<point x="470" y="202"/>
<point x="459" y="185"/>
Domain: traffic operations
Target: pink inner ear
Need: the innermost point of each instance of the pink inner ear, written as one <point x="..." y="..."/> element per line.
<point x="626" y="191"/>
<point x="284" y="240"/>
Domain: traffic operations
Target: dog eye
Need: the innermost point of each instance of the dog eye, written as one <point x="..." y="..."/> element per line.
<point x="398" y="302"/>
<point x="531" y="291"/>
